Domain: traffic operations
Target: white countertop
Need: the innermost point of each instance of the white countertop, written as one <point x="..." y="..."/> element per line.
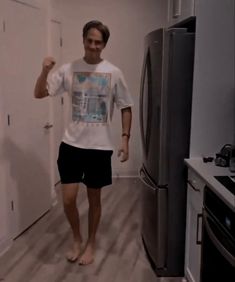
<point x="207" y="171"/>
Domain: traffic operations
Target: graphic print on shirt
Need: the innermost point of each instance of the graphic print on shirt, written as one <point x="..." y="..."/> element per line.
<point x="90" y="94"/>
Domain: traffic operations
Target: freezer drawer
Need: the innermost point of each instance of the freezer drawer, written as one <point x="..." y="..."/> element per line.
<point x="154" y="220"/>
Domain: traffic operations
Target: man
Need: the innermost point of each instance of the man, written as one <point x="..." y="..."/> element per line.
<point x="94" y="85"/>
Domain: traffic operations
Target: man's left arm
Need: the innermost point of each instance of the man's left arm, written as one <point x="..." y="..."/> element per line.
<point x="126" y="116"/>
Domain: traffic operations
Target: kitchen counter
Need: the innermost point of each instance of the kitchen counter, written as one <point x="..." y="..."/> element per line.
<point x="207" y="171"/>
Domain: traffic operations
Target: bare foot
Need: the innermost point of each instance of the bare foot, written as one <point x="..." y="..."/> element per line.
<point x="75" y="251"/>
<point x="88" y="255"/>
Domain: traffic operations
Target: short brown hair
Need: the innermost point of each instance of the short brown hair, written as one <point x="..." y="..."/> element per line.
<point x="98" y="25"/>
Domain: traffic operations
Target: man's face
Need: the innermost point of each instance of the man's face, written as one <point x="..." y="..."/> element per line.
<point x="93" y="45"/>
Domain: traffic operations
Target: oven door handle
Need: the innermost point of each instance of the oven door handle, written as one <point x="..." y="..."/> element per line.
<point x="225" y="253"/>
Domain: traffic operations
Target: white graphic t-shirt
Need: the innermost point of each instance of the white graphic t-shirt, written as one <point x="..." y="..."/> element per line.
<point x="93" y="90"/>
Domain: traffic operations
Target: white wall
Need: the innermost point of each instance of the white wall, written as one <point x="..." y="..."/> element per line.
<point x="129" y="21"/>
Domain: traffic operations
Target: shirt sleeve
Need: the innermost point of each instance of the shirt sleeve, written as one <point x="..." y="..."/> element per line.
<point x="55" y="82"/>
<point x="122" y="96"/>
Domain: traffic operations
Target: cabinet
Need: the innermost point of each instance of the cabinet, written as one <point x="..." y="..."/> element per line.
<point x="179" y="10"/>
<point x="213" y="86"/>
<point x="193" y="226"/>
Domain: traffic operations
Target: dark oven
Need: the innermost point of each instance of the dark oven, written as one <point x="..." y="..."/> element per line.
<point x="218" y="242"/>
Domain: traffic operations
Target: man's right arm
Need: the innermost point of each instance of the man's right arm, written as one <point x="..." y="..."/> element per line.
<point x="40" y="90"/>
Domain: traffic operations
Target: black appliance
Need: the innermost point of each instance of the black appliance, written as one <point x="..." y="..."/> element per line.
<point x="218" y="240"/>
<point x="165" y="118"/>
<point x="228" y="182"/>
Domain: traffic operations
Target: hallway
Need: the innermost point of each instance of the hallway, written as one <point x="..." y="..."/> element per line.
<point x="39" y="254"/>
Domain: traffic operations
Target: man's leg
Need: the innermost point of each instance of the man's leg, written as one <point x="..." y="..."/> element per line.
<point x="94" y="198"/>
<point x="69" y="193"/>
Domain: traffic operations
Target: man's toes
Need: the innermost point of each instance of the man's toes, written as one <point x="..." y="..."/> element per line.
<point x="83" y="261"/>
<point x="71" y="257"/>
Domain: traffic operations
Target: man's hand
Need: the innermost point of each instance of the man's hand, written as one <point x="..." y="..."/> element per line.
<point x="48" y="64"/>
<point x="123" y="152"/>
<point x="126" y="127"/>
<point x="40" y="89"/>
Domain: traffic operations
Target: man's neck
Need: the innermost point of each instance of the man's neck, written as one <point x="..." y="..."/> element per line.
<point x="92" y="61"/>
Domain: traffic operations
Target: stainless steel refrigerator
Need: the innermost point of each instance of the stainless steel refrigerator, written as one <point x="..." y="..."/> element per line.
<point x="165" y="118"/>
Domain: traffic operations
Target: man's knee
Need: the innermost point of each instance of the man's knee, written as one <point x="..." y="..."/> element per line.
<point x="70" y="195"/>
<point x="94" y="198"/>
<point x="69" y="203"/>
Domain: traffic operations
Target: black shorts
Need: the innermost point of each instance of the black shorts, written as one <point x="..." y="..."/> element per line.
<point x="92" y="167"/>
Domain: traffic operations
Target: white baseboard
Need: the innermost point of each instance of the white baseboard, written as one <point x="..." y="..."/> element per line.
<point x="125" y="176"/>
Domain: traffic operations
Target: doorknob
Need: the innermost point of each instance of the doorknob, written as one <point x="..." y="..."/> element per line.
<point x="48" y="125"/>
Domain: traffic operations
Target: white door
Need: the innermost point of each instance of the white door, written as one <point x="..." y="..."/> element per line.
<point x="4" y="203"/>
<point x="26" y="141"/>
<point x="58" y="101"/>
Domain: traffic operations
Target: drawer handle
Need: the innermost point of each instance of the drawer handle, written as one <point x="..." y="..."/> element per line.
<point x="191" y="184"/>
<point x="199" y="224"/>
<point x="176" y="8"/>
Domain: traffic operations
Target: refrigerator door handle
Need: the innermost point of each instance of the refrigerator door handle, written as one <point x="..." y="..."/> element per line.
<point x="141" y="102"/>
<point x="145" y="180"/>
<point x="145" y="101"/>
<point x="155" y="218"/>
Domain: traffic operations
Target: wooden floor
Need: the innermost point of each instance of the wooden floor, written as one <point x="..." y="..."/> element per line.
<point x="38" y="254"/>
